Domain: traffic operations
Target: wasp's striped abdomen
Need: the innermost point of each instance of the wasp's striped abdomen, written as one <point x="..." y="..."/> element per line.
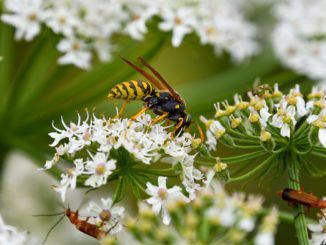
<point x="131" y="90"/>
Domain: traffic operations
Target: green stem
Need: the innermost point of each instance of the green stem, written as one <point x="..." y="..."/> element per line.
<point x="284" y="216"/>
<point x="300" y="224"/>
<point x="253" y="171"/>
<point x="316" y="153"/>
<point x="243" y="157"/>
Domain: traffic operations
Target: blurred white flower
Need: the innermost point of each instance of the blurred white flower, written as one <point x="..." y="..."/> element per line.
<point x="299" y="37"/>
<point x="318" y="232"/>
<point x="267" y="229"/>
<point x="26" y="16"/>
<point x="76" y="53"/>
<point x="9" y="235"/>
<point x="219" y="23"/>
<point x="180" y="21"/>
<point x="161" y="196"/>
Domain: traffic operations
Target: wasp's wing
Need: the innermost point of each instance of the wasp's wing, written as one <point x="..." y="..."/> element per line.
<point x="151" y="79"/>
<point x="164" y="83"/>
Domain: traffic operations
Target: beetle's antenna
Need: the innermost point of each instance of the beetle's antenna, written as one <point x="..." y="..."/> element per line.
<point x="52" y="228"/>
<point x="55" y="214"/>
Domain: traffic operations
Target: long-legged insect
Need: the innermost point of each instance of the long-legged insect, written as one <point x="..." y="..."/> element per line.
<point x="84" y="226"/>
<point x="157" y="96"/>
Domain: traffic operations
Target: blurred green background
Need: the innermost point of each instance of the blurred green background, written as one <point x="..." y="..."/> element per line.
<point x="35" y="90"/>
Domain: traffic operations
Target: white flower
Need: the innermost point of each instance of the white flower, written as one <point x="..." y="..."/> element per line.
<point x="69" y="179"/>
<point x="161" y="195"/>
<point x="284" y="118"/>
<point x="215" y="130"/>
<point x="320" y="122"/>
<point x="106" y="216"/>
<point x="267" y="229"/>
<point x="318" y="234"/>
<point x="62" y="20"/>
<point x="26" y="17"/>
<point x="296" y="39"/>
<point x="76" y="51"/>
<point x="222" y="24"/>
<point x="99" y="167"/>
<point x="9" y="235"/>
<point x="179" y="21"/>
<point x="140" y="13"/>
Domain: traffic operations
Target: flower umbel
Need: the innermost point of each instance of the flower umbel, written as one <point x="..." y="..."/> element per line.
<point x="272" y="125"/>
<point x="97" y="151"/>
<point x="214" y="217"/>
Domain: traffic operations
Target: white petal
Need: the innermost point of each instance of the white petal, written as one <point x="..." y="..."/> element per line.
<point x="322" y="136"/>
<point x="315" y="227"/>
<point x="162" y="182"/>
<point x="312" y="118"/>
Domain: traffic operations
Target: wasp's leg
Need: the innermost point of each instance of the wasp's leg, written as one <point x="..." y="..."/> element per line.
<point x="177" y="126"/>
<point x="164" y="115"/>
<point x="201" y="133"/>
<point x="123" y="107"/>
<point x="134" y="117"/>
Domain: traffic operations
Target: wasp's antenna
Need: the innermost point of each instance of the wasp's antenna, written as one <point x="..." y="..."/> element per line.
<point x="52" y="228"/>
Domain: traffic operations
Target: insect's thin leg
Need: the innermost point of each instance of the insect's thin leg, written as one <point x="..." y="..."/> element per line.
<point x="178" y="125"/>
<point x="168" y="123"/>
<point x="201" y="133"/>
<point x="123" y="107"/>
<point x="134" y="117"/>
<point x="164" y="115"/>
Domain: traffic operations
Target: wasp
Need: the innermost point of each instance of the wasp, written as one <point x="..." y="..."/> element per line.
<point x="300" y="197"/>
<point x="157" y="95"/>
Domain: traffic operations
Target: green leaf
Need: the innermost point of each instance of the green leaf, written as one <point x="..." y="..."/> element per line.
<point x="120" y="190"/>
<point x="134" y="188"/>
<point x="6" y="52"/>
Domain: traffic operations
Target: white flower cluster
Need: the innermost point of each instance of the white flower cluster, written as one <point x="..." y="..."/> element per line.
<point x="10" y="235"/>
<point x="267" y="113"/>
<point x="299" y="38"/>
<point x="88" y="27"/>
<point x="223" y="217"/>
<point x="318" y="231"/>
<point x="94" y="148"/>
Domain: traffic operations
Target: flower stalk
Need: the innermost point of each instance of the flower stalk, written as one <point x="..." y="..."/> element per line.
<point x="300" y="224"/>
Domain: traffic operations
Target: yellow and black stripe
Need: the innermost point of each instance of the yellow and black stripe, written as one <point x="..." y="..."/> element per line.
<point x="131" y="90"/>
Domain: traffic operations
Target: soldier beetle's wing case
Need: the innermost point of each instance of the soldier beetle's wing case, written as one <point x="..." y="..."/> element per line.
<point x="161" y="83"/>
